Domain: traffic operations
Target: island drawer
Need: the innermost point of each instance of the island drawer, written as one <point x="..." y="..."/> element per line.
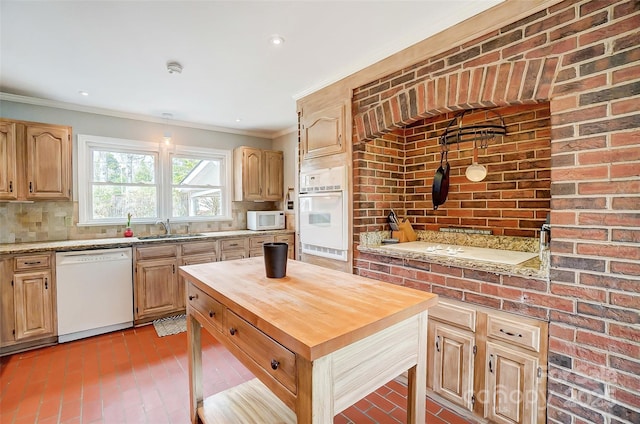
<point x="266" y="352"/>
<point x="199" y="247"/>
<point x="210" y="308"/>
<point x="515" y="332"/>
<point x="23" y="263"/>
<point x="154" y="252"/>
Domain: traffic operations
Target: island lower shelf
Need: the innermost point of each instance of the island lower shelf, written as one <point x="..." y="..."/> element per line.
<point x="250" y="402"/>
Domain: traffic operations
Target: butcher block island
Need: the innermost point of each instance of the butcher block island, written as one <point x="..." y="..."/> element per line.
<point x="317" y="340"/>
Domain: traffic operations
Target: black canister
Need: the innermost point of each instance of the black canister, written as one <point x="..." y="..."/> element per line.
<point x="275" y="259"/>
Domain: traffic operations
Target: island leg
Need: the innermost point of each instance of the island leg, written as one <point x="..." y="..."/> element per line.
<point x="194" y="346"/>
<point x="417" y="378"/>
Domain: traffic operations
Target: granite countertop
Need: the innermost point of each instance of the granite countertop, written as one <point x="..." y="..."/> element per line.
<point x="106" y="243"/>
<point x="531" y="268"/>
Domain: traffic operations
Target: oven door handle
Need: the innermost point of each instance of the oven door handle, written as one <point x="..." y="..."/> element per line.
<point x="321" y="194"/>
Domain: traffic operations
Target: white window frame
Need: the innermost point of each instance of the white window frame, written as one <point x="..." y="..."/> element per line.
<point x="88" y="143"/>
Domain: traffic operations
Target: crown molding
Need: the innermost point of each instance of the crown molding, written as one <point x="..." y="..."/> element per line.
<point x="135" y="116"/>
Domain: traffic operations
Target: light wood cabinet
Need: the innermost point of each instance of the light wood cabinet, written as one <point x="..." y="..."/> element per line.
<point x="258" y="174"/>
<point x="156" y="288"/>
<point x="159" y="291"/>
<point x="8" y="161"/>
<point x="322" y="131"/>
<point x="290" y="240"/>
<point x="36" y="161"/>
<point x="511" y="384"/>
<point x="453" y="363"/>
<point x="255" y="245"/>
<point x="191" y="254"/>
<point x="488" y="362"/>
<point x="28" y="302"/>
<point x="234" y="248"/>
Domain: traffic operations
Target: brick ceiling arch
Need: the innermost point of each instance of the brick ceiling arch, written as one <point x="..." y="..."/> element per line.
<point x="513" y="82"/>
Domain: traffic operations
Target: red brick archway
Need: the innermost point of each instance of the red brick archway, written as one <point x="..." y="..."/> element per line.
<point x="515" y="82"/>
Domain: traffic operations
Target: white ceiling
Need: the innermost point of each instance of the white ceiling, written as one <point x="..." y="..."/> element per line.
<point x="117" y="51"/>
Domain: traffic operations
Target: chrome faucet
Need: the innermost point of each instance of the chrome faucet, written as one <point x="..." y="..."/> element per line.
<point x="165" y="225"/>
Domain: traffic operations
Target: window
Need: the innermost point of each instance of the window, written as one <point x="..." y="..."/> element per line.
<point x="117" y="177"/>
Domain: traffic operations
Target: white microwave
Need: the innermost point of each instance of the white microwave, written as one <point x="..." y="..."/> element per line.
<point x="265" y="220"/>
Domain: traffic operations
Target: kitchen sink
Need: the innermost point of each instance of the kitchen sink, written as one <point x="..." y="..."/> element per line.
<point x="169" y="236"/>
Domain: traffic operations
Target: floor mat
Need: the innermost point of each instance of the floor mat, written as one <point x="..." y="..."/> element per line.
<point x="170" y="325"/>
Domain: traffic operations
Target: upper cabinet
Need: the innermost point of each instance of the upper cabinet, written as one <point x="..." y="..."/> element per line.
<point x="258" y="174"/>
<point x="8" y="161"/>
<point x="35" y="161"/>
<point x="322" y="131"/>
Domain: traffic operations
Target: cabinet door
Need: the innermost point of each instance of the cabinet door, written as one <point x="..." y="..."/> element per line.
<point x="322" y="132"/>
<point x="33" y="304"/>
<point x="7" y="315"/>
<point x="511" y="385"/>
<point x="8" y="161"/>
<point x="290" y="240"/>
<point x="48" y="165"/>
<point x="190" y="260"/>
<point x="156" y="287"/>
<point x="453" y="361"/>
<point x="273" y="175"/>
<point x="251" y="174"/>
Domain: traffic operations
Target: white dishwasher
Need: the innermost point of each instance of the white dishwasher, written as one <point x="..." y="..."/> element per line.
<point x="95" y="292"/>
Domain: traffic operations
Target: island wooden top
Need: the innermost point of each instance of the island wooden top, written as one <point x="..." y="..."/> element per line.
<point x="313" y="311"/>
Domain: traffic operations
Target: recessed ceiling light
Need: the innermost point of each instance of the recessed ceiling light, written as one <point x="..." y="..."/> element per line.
<point x="276" y="40"/>
<point x="238" y="120"/>
<point x="83" y="93"/>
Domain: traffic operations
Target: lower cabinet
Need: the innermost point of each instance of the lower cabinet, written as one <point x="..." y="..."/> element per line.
<point x="453" y="363"/>
<point x="156" y="280"/>
<point x="234" y="248"/>
<point x="159" y="291"/>
<point x="28" y="302"/>
<point x="488" y="362"/>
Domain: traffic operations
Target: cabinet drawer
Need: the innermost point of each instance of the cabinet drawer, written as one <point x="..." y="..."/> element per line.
<point x="198" y="259"/>
<point x="287" y="238"/>
<point x="153" y="252"/>
<point x="266" y="352"/>
<point x="257" y="242"/>
<point x="22" y="263"/>
<point x="232" y="244"/>
<point x="515" y="332"/>
<point x="206" y="305"/>
<point x="198" y="247"/>
<point x="454" y="314"/>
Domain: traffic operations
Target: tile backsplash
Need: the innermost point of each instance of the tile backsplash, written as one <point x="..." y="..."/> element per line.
<point x="46" y="221"/>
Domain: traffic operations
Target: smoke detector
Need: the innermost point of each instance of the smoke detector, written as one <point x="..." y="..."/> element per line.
<point x="174" y="68"/>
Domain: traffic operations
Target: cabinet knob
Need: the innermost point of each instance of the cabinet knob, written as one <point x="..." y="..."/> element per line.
<point x="193" y="296"/>
<point x="274" y="364"/>
<point x="211" y="314"/>
<point x="233" y="331"/>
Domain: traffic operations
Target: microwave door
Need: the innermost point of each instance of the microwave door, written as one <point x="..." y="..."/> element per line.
<point x="322" y="219"/>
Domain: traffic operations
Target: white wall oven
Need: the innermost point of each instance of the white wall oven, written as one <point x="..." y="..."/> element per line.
<point x="323" y="213"/>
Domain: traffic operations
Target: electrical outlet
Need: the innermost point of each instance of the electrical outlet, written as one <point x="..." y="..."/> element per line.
<point x="68" y="221"/>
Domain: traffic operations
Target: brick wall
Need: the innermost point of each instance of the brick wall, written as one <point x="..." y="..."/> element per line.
<point x="397" y="170"/>
<point x="583" y="58"/>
